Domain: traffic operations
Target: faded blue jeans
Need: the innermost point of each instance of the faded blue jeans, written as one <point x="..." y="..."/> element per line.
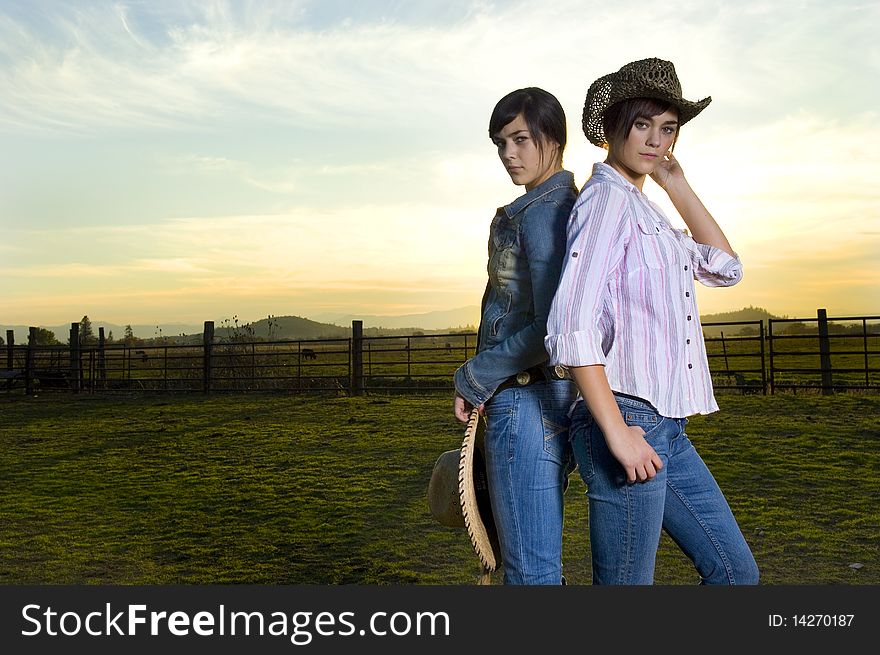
<point x="683" y="499"/>
<point x="528" y="459"/>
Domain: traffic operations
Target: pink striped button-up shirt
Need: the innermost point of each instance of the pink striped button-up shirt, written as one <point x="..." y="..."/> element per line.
<point x="626" y="297"/>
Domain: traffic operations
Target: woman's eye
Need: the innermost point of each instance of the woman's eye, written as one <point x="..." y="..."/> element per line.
<point x="521" y="139"/>
<point x="640" y="124"/>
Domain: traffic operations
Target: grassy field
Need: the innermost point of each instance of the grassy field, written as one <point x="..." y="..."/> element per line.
<point x="287" y="489"/>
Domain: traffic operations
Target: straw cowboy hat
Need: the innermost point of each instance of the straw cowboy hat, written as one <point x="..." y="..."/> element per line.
<point x="646" y="78"/>
<point x="458" y="495"/>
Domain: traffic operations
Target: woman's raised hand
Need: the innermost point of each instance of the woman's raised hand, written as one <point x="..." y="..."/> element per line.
<point x="668" y="170"/>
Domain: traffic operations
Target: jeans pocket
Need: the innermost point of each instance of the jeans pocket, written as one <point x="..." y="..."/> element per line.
<point x="555" y="425"/>
<point x="648" y="421"/>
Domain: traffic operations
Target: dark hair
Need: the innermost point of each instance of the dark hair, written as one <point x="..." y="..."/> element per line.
<point x="541" y="111"/>
<point x="618" y="119"/>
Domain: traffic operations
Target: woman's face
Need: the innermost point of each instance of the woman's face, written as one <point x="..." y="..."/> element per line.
<point x="649" y="139"/>
<point x="526" y="163"/>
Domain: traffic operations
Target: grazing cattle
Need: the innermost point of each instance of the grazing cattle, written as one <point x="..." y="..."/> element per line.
<point x="142" y="353"/>
<point x="448" y="347"/>
<point x="308" y="353"/>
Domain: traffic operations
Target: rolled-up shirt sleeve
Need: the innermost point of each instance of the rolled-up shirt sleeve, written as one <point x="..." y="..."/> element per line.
<point x="712" y="266"/>
<point x="596" y="238"/>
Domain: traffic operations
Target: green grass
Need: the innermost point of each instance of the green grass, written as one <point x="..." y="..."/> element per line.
<point x="287" y="489"/>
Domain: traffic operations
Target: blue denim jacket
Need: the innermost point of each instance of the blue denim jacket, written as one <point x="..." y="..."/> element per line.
<point x="526" y="249"/>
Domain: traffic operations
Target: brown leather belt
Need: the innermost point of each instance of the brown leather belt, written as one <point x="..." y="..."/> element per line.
<point x="535" y="374"/>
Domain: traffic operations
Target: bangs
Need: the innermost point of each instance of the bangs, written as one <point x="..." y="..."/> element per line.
<point x="619" y="118"/>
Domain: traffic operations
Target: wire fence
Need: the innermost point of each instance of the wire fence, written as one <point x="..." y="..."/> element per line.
<point x="819" y="354"/>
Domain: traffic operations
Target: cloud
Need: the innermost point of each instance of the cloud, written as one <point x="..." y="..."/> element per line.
<point x="289" y="179"/>
<point x="161" y="66"/>
<point x="315" y="246"/>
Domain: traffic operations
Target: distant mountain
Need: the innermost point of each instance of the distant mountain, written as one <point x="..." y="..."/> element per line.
<point x="276" y="327"/>
<point x="283" y="327"/>
<point x="745" y="314"/>
<point x="452" y="318"/>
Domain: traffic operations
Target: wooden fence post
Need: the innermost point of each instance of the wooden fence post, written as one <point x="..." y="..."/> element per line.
<point x="102" y="362"/>
<point x="10" y="355"/>
<point x="724" y="350"/>
<point x="770" y="345"/>
<point x="208" y="361"/>
<point x="763" y="363"/>
<point x="29" y="361"/>
<point x="75" y="359"/>
<point x="357" y="358"/>
<point x="825" y="353"/>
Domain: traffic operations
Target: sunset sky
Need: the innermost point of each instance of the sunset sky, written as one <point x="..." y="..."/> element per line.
<point x="190" y="160"/>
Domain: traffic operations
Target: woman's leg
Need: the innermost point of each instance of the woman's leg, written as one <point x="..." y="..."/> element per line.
<point x="527" y="452"/>
<point x="699" y="520"/>
<point x="625" y="519"/>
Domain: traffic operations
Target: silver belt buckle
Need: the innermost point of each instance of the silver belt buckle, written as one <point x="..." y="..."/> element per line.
<point x="523" y="377"/>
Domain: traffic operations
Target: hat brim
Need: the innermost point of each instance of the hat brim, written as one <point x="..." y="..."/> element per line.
<point x="443" y="497"/>
<point x="476" y="506"/>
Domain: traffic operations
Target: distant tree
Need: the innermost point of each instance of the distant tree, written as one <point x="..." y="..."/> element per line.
<point x="799" y="328"/>
<point x="271" y="328"/>
<point x="2" y="342"/>
<point x="128" y="335"/>
<point x="109" y="338"/>
<point x="86" y="335"/>
<point x="44" y="337"/>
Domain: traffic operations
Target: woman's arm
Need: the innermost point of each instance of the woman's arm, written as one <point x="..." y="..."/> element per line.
<point x="702" y="226"/>
<point x="597" y="234"/>
<point x="626" y="442"/>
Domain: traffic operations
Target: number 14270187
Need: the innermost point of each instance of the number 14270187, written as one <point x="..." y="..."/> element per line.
<point x="810" y="620"/>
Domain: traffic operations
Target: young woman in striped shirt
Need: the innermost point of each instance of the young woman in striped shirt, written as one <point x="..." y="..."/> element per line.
<point x="624" y="319"/>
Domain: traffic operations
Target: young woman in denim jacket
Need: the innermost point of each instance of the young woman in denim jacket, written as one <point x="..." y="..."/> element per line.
<point x="525" y="403"/>
<point x="625" y="320"/>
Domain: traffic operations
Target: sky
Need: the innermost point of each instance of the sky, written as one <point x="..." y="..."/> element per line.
<point x="197" y="160"/>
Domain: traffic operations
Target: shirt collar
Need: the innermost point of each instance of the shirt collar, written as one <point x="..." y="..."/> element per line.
<point x="561" y="179"/>
<point x="610" y="174"/>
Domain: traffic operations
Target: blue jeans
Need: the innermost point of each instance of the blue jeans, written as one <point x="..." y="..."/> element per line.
<point x="528" y="459"/>
<point x="683" y="499"/>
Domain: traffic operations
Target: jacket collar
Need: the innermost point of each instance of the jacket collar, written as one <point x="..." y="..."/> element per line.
<point x="557" y="180"/>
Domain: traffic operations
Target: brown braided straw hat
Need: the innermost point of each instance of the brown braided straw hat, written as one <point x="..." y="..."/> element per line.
<point x="646" y="78"/>
<point x="458" y="495"/>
